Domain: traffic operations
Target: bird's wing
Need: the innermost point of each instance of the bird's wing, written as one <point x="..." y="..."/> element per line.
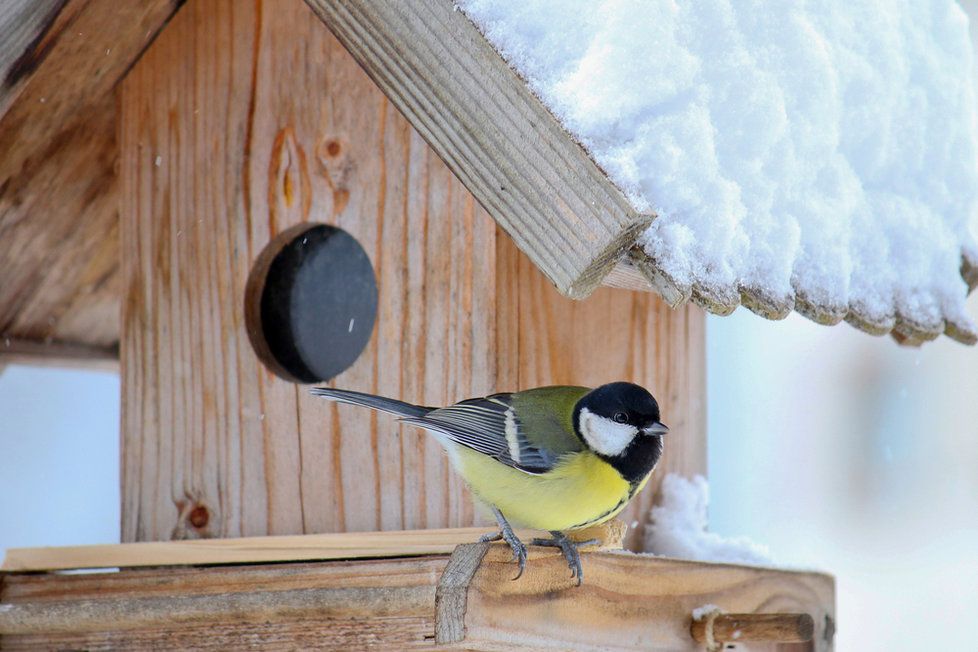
<point x="494" y="427"/>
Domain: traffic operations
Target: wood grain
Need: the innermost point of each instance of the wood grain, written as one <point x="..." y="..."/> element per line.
<point x="627" y="602"/>
<point x="493" y="133"/>
<point x="336" y="606"/>
<point x="547" y="339"/>
<point x="59" y="242"/>
<point x="23" y="27"/>
<point x="58" y="196"/>
<point x="224" y="145"/>
<point x="346" y="545"/>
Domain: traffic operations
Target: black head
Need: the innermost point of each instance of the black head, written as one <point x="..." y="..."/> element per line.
<point x="620" y="422"/>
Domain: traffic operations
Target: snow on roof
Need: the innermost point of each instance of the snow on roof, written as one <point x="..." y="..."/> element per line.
<point x="818" y="157"/>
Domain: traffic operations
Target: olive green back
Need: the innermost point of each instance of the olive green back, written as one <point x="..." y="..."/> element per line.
<point x="547" y="413"/>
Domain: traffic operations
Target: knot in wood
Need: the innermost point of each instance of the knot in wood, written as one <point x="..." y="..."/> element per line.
<point x="199" y="516"/>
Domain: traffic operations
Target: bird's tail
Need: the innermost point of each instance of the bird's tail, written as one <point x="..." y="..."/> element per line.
<point x="389" y="405"/>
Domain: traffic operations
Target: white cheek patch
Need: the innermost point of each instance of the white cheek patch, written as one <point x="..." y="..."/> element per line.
<point x="604" y="435"/>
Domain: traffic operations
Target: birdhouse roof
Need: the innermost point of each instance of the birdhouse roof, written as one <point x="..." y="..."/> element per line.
<point x="543" y="130"/>
<point x="820" y="159"/>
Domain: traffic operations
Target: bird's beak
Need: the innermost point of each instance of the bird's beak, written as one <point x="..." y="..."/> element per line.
<point x="656" y="428"/>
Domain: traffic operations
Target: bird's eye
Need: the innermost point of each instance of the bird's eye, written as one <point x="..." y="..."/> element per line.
<point x="621" y="417"/>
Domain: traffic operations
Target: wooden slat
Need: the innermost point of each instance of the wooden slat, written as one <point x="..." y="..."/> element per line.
<point x="347" y="545"/>
<point x="546" y="339"/>
<point x="335" y="606"/>
<point x="627" y="602"/>
<point x="29" y="352"/>
<point x="59" y="252"/>
<point x="272" y="124"/>
<point x="498" y="138"/>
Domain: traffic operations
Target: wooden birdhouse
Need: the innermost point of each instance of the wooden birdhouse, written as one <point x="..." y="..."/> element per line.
<point x="232" y="200"/>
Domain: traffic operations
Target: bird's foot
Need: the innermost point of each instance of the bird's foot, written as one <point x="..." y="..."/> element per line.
<point x="506" y="534"/>
<point x="570" y="551"/>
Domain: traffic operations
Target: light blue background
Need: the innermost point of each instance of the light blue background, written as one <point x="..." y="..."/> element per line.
<point x="59" y="457"/>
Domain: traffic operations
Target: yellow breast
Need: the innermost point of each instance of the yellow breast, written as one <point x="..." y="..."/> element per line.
<point x="581" y="490"/>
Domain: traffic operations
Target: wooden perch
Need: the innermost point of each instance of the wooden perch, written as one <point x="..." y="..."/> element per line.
<point x="778" y="628"/>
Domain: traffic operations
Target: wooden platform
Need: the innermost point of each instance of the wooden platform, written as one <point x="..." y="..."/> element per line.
<point x="465" y="600"/>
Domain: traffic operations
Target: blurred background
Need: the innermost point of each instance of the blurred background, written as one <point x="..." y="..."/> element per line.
<point x="847" y="453"/>
<point x="839" y="451"/>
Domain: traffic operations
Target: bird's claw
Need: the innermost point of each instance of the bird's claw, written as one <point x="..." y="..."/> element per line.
<point x="489" y="538"/>
<point x="570" y="551"/>
<point x="517" y="546"/>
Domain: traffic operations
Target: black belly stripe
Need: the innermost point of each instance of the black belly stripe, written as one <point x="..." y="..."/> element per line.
<point x="632" y="488"/>
<point x="620" y="504"/>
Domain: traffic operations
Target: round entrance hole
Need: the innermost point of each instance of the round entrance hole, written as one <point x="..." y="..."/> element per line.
<point x="311" y="303"/>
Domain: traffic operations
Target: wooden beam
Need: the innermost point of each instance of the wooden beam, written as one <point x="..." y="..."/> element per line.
<point x="627" y="602"/>
<point x="59" y="64"/>
<point x="57" y="354"/>
<point x="23" y="26"/>
<point x="493" y="133"/>
<point x="346" y="545"/>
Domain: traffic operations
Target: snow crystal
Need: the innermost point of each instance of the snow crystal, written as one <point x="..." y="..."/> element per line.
<point x="678" y="527"/>
<point x="826" y="148"/>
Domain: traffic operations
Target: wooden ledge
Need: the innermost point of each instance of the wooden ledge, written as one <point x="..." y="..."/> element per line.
<point x="252" y="550"/>
<point x="463" y="601"/>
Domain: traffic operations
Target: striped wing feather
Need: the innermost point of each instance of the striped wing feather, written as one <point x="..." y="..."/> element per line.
<point x="490" y="426"/>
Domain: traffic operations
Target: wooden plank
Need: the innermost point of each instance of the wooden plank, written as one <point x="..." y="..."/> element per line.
<point x="547" y="339"/>
<point x="347" y="545"/>
<point x="224" y="145"/>
<point x="335" y="606"/>
<point x="493" y="133"/>
<point x="23" y="24"/>
<point x="59" y="354"/>
<point x="59" y="254"/>
<point x="627" y="602"/>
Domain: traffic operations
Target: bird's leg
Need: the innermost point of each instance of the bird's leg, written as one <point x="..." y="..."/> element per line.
<point x="506" y="534"/>
<point x="569" y="549"/>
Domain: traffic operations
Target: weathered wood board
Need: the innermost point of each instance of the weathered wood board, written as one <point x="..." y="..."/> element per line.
<point x="59" y="247"/>
<point x="627" y="602"/>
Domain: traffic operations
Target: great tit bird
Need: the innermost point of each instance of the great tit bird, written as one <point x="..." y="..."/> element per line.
<point x="553" y="458"/>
